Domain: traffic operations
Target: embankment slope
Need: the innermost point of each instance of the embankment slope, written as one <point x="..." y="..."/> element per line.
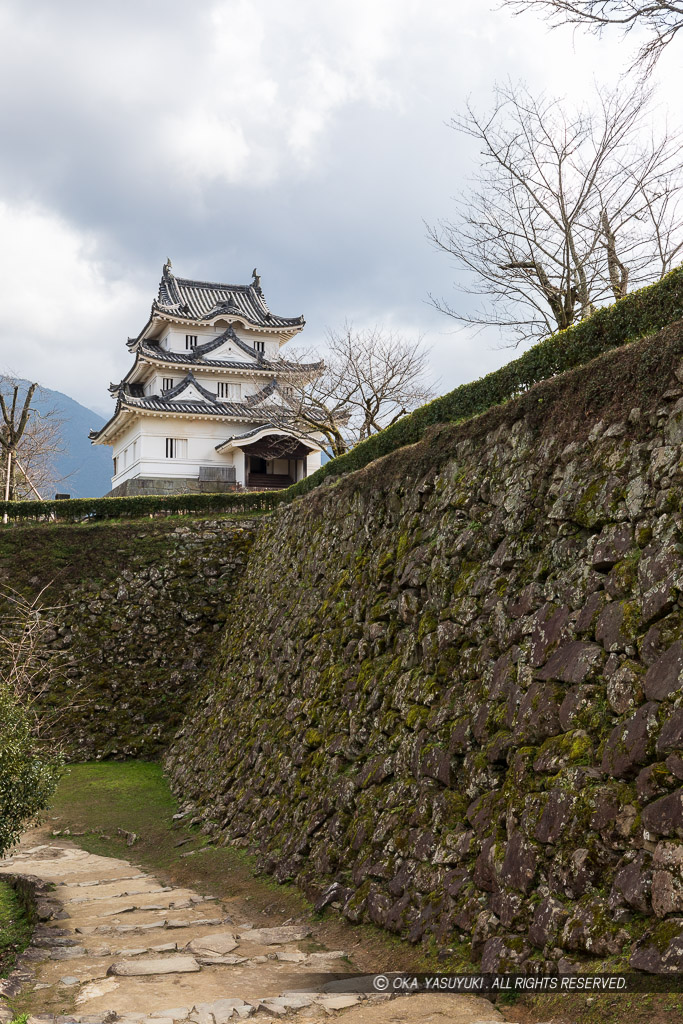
<point x="448" y="693"/>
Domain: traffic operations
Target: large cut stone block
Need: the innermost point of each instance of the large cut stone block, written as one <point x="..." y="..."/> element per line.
<point x="169" y="965"/>
<point x="220" y="943"/>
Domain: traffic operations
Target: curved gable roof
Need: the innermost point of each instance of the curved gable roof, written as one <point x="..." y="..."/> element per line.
<point x="205" y="300"/>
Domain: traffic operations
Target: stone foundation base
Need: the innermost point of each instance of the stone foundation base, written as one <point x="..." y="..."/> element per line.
<point x="176" y="485"/>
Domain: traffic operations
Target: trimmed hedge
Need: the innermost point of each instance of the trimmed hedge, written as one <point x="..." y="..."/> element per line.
<point x="91" y="509"/>
<point x="637" y="315"/>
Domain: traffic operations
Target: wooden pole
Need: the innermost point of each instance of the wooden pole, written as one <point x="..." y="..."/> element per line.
<point x="28" y="480"/>
<point x="9" y="473"/>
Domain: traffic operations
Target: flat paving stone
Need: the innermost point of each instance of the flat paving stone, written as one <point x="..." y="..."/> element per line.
<point x="275" y="936"/>
<point x="221" y="961"/>
<point x="340" y="1002"/>
<point x="175" y="1013"/>
<point x="217" y="942"/>
<point x="169" y="965"/>
<point x="197" y="923"/>
<point x="67" y="952"/>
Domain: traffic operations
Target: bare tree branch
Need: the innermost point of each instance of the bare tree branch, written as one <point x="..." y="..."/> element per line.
<point x="662" y="19"/>
<point x="30" y="439"/>
<point x="370" y="379"/>
<point x="568" y="209"/>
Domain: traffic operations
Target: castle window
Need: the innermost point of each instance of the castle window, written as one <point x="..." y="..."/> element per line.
<point x="116" y="465"/>
<point x="176" y="447"/>
<point x="190" y="341"/>
<point x="260" y="346"/>
<point x="233" y="392"/>
<point x="166" y="383"/>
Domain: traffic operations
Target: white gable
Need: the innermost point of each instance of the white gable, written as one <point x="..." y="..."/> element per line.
<point x="233" y="353"/>
<point x="189" y="394"/>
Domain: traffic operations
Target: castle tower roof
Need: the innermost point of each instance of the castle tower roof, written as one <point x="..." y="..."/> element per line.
<point x="199" y="301"/>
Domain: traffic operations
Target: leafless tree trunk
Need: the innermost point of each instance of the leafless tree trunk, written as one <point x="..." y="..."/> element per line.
<point x="370" y="379"/>
<point x="568" y="209"/>
<point x="661" y="18"/>
<point x="26" y="667"/>
<point x="14" y="421"/>
<point x="29" y="442"/>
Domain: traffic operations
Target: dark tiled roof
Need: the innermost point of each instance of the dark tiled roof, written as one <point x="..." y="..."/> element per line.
<point x="225" y="410"/>
<point x="131" y="396"/>
<point x="292" y="431"/>
<point x="186" y="359"/>
<point x="203" y="300"/>
<point x="196" y="355"/>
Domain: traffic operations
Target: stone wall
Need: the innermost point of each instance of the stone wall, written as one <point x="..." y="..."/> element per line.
<point x="448" y="699"/>
<point x="133" y="614"/>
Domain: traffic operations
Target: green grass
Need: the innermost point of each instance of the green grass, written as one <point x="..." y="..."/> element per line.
<point x="98" y="798"/>
<point x="15" y="929"/>
<point x="34" y="555"/>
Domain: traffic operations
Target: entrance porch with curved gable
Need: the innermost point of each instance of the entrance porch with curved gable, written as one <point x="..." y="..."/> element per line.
<point x="273" y="458"/>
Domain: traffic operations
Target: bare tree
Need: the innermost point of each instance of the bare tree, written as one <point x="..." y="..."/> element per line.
<point x="23" y="631"/>
<point x="569" y="209"/>
<point x="29" y="767"/>
<point x="370" y="378"/>
<point x="30" y="439"/>
<point x="662" y="19"/>
<point x="15" y="413"/>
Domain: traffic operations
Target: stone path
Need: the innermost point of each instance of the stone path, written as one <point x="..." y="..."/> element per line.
<point x="117" y="945"/>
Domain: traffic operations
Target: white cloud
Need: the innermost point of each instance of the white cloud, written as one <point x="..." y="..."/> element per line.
<point x="61" y="306"/>
<point x="307" y="138"/>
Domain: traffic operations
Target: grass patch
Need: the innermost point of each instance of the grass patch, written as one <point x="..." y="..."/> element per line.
<point x="34" y="555"/>
<point x="603" y="1008"/>
<point x="15" y="928"/>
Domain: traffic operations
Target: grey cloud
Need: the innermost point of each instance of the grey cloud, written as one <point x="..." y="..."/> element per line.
<point x="111" y="115"/>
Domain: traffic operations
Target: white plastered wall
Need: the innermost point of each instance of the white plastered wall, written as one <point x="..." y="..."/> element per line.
<point x="173" y="339"/>
<point x="150" y="435"/>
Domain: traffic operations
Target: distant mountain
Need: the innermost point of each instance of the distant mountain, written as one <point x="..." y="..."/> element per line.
<point x="84" y="470"/>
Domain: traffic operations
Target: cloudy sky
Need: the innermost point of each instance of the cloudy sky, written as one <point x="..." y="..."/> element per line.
<point x="307" y="139"/>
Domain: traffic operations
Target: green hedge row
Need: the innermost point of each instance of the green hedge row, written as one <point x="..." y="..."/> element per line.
<point x="635" y="316"/>
<point x="641" y="313"/>
<point x="78" y="509"/>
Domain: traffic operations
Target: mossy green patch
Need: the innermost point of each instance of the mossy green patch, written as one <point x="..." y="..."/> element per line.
<point x="15" y="927"/>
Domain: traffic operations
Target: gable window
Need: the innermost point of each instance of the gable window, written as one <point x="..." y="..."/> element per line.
<point x="190" y="341"/>
<point x="176" y="447"/>
<point x="166" y="383"/>
<point x="288" y="390"/>
<point x="260" y="346"/>
<point x="233" y="392"/>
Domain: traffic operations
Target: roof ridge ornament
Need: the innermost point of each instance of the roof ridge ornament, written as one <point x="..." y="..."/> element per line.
<point x="256" y="283"/>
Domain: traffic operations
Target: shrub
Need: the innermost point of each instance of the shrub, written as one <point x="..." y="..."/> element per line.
<point x="637" y="315"/>
<point x="27" y="775"/>
<point x="91" y="509"/>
